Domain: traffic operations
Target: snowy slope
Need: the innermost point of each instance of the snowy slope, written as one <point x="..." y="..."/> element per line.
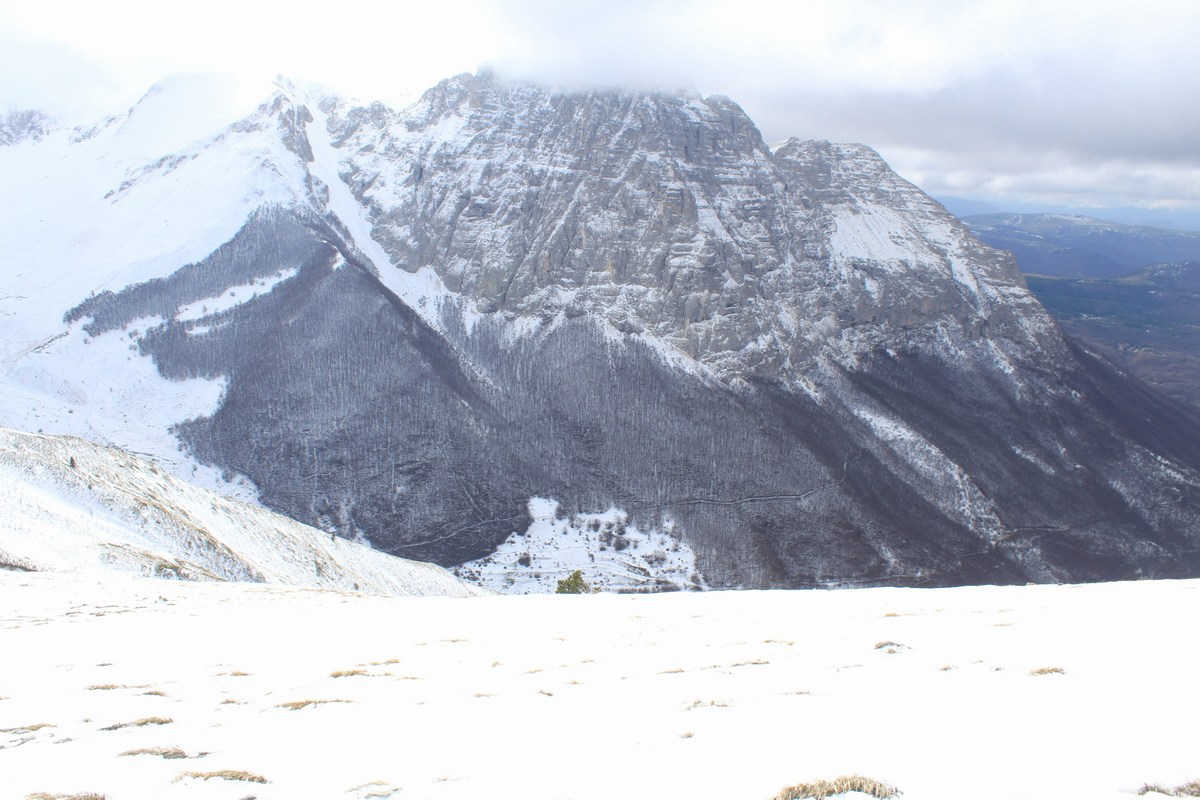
<point x="157" y="186"/>
<point x="71" y="505"/>
<point x="1043" y="692"/>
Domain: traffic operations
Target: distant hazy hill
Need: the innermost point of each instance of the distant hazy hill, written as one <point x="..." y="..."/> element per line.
<point x="1148" y="322"/>
<point x="964" y="207"/>
<point x="1081" y="247"/>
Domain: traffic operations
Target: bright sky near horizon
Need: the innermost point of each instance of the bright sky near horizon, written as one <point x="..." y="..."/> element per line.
<point x="1021" y="103"/>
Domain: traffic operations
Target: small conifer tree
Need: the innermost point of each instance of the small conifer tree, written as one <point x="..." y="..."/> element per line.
<point x="573" y="584"/>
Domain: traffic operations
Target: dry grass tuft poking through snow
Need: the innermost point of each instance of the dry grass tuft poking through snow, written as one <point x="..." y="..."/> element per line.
<point x="347" y="673"/>
<point x="296" y="705"/>
<point x="225" y="775"/>
<point x="139" y="723"/>
<point x="820" y="790"/>
<point x="1189" y="789"/>
<point x="1048" y="671"/>
<point x="161" y="752"/>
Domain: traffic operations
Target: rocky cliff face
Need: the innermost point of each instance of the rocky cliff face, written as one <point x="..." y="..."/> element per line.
<point x="793" y="366"/>
<point x="666" y="216"/>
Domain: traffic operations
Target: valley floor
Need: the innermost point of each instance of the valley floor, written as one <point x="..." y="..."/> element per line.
<point x="139" y="688"/>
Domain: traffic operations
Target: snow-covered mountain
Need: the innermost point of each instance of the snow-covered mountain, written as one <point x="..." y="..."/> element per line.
<point x="74" y="506"/>
<point x="786" y="367"/>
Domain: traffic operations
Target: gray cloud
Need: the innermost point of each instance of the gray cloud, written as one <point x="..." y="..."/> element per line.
<point x="1009" y="99"/>
<point x="1066" y="101"/>
<point x="54" y="78"/>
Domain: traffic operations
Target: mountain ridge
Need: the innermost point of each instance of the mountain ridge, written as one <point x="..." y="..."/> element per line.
<point x="794" y="364"/>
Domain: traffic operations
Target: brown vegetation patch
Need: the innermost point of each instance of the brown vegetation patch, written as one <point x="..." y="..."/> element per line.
<point x="1048" y="671"/>
<point x="819" y="790"/>
<point x="37" y="726"/>
<point x="140" y="723"/>
<point x="1189" y="789"/>
<point x="161" y="752"/>
<point x="225" y="775"/>
<point x="296" y="705"/>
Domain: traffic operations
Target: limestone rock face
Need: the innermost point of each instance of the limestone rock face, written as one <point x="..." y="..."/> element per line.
<point x="794" y="361"/>
<point x="669" y="216"/>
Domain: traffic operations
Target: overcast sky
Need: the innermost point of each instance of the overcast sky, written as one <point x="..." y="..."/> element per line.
<point x="1023" y="103"/>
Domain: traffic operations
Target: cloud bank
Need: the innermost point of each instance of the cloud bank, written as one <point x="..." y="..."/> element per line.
<point x="1015" y="101"/>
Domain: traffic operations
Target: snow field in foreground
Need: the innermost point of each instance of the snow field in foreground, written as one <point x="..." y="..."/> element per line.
<point x="1018" y="692"/>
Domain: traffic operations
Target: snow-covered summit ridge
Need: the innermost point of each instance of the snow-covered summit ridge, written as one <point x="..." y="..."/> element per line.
<point x="74" y="506"/>
<point x="183" y="109"/>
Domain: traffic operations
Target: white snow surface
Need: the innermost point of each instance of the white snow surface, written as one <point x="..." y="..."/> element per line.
<point x="74" y="506"/>
<point x="611" y="552"/>
<point x="983" y="693"/>
<point x="233" y="296"/>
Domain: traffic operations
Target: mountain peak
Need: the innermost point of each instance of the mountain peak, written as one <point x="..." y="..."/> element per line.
<point x="407" y="325"/>
<point x="185" y="108"/>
